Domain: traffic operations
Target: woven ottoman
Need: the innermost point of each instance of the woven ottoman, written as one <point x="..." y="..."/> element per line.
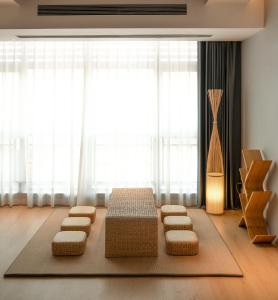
<point x="77" y="224"/>
<point x="181" y="242"/>
<point x="83" y="211"/>
<point x="69" y="243"/>
<point x="177" y="223"/>
<point x="172" y="210"/>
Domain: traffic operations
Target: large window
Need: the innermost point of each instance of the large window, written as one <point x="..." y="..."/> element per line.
<point x="79" y="118"/>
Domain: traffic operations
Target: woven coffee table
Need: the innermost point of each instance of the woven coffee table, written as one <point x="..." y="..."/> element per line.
<point x="131" y="224"/>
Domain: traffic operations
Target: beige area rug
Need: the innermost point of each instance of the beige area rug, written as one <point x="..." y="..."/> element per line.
<point x="35" y="259"/>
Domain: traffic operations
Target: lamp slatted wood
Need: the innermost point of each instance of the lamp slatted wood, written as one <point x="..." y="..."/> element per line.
<point x="253" y="197"/>
<point x="215" y="168"/>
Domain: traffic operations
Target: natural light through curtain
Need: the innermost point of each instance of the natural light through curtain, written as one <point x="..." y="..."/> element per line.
<point x="79" y="118"/>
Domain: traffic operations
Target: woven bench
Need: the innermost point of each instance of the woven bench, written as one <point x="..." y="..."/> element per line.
<point x="131" y="224"/>
<point x="83" y="211"/>
<point x="181" y="242"/>
<point x="69" y="243"/>
<point x="76" y="224"/>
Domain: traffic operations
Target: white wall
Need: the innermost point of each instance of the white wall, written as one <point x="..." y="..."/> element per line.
<point x="260" y="99"/>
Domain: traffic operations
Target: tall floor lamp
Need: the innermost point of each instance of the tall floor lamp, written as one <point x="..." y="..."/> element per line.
<point x="215" y="169"/>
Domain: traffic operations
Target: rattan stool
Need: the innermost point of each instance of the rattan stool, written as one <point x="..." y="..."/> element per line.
<point x="77" y="224"/>
<point x="69" y="243"/>
<point x="177" y="223"/>
<point x="181" y="242"/>
<point x="172" y="210"/>
<point x="83" y="211"/>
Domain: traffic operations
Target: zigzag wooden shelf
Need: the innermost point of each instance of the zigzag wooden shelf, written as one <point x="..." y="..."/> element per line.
<point x="253" y="197"/>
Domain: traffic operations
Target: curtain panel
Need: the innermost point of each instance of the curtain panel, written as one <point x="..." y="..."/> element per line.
<point x="220" y="68"/>
<point x="79" y="118"/>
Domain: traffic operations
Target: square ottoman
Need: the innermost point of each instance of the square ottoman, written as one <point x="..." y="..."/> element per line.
<point x="181" y="242"/>
<point x="83" y="211"/>
<point x="77" y="224"/>
<point x="69" y="243"/>
<point x="177" y="223"/>
<point x="172" y="210"/>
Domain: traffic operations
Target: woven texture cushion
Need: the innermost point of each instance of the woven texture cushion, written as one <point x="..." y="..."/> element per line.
<point x="69" y="243"/>
<point x="181" y="242"/>
<point x="172" y="210"/>
<point x="177" y="223"/>
<point x="76" y="224"/>
<point x="83" y="211"/>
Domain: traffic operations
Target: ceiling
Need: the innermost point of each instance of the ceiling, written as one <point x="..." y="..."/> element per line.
<point x="206" y="20"/>
<point x="227" y="1"/>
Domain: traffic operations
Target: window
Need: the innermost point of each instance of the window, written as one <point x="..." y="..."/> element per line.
<point x="79" y="118"/>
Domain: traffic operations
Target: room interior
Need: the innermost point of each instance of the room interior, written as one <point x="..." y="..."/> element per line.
<point x="137" y="149"/>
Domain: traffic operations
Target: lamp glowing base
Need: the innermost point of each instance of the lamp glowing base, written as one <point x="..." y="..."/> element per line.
<point x="215" y="193"/>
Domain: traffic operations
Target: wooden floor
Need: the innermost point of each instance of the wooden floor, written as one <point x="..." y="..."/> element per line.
<point x="259" y="265"/>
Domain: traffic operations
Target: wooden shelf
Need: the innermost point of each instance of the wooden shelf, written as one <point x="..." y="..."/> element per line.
<point x="253" y="197"/>
<point x="256" y="175"/>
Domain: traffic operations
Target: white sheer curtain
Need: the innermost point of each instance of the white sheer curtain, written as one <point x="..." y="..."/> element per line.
<point x="79" y="118"/>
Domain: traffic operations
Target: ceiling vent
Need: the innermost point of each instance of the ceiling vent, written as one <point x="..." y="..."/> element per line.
<point x="112" y="9"/>
<point x="119" y="36"/>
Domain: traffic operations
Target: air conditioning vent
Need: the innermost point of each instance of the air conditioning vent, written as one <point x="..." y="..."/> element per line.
<point x="112" y="9"/>
<point x="122" y="36"/>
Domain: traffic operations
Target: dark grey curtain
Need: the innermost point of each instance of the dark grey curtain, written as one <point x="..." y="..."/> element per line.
<point x="220" y="68"/>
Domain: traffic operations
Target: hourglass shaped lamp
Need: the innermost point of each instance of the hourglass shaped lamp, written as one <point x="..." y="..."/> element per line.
<point x="215" y="169"/>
